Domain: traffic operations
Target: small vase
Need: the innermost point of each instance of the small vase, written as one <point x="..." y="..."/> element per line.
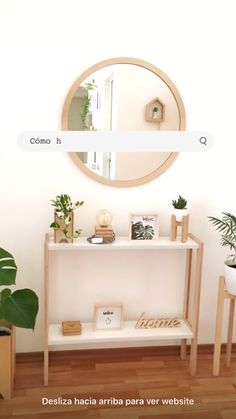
<point x="154" y="115"/>
<point x="59" y="236"/>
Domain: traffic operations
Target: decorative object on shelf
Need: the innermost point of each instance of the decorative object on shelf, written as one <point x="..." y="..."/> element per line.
<point x="104" y="228"/>
<point x="63" y="224"/>
<point x="179" y="218"/>
<point x="155" y="110"/>
<point x="101" y="240"/>
<point x="104" y="232"/>
<point x="180" y="208"/>
<point x="71" y="328"/>
<point x="144" y="227"/>
<point x="107" y="317"/>
<point x="104" y="218"/>
<point x="143" y="323"/>
<point x="18" y="308"/>
<point x="227" y="227"/>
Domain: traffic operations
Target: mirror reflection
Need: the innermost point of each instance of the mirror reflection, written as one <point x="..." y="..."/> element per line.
<point x="123" y="97"/>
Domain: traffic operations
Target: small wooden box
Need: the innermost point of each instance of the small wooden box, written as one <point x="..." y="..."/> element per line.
<point x="70" y="328"/>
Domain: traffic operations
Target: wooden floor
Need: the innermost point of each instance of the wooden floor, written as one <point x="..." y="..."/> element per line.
<point x="107" y="377"/>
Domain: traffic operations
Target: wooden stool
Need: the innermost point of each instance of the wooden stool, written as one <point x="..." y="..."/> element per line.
<point x="184" y="228"/>
<point x="222" y="295"/>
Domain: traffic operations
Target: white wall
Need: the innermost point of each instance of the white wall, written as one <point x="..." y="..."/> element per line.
<point x="47" y="45"/>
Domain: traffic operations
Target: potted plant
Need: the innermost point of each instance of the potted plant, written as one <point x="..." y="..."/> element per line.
<point x="155" y="112"/>
<point x="63" y="224"/>
<point x="227" y="227"/>
<point x="18" y="308"/>
<point x="88" y="87"/>
<point x="180" y="208"/>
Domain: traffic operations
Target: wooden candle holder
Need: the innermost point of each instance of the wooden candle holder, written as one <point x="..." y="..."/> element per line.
<point x="184" y="228"/>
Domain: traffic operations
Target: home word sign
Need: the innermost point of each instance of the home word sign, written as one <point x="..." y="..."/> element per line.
<point x="143" y="323"/>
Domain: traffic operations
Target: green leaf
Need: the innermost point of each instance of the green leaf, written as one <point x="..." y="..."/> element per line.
<point x="4" y="294"/>
<point x="78" y="204"/>
<point x="77" y="234"/>
<point x="21" y="308"/>
<point x="8" y="268"/>
<point x="55" y="226"/>
<point x="66" y="234"/>
<point x="1" y="312"/>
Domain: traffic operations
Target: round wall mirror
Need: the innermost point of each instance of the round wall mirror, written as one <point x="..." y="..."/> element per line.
<point x="123" y="94"/>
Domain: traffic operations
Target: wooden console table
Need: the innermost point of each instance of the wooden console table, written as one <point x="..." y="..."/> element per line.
<point x="128" y="334"/>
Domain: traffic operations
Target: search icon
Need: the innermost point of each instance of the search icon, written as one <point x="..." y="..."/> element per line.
<point x="203" y="140"/>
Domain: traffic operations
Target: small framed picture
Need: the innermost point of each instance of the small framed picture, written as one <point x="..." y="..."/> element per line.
<point x="144" y="227"/>
<point x="107" y="317"/>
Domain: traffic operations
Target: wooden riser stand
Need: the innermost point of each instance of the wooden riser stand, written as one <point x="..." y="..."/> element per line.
<point x="184" y="228"/>
<point x="222" y="296"/>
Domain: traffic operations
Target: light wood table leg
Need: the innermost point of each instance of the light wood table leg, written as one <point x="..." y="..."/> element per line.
<point x="230" y="331"/>
<point x="196" y="304"/>
<point x="46" y="367"/>
<point x="218" y="331"/>
<point x="46" y="285"/>
<point x="183" y="348"/>
<point x="173" y="228"/>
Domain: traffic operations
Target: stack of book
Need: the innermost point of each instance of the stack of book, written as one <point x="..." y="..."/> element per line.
<point x="104" y="232"/>
<point x="70" y="328"/>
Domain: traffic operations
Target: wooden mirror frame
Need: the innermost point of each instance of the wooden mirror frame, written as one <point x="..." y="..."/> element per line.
<point x="182" y="119"/>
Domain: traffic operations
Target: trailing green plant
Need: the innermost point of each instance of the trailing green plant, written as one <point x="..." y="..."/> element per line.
<point x="227" y="227"/>
<point x="63" y="210"/>
<point x="86" y="102"/>
<point x="139" y="231"/>
<point x="179" y="203"/>
<point x="20" y="307"/>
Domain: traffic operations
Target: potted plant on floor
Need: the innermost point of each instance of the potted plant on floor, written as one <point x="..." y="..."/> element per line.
<point x="180" y="208"/>
<point x="227" y="227"/>
<point x="18" y="308"/>
<point x="63" y="224"/>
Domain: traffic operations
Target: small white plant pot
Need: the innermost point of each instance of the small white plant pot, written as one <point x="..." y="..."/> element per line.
<point x="180" y="213"/>
<point x="230" y="278"/>
<point x="155" y="115"/>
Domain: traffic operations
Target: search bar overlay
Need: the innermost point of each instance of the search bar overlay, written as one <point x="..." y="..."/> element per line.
<point x="110" y="141"/>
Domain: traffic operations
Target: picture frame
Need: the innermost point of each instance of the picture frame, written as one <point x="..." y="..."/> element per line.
<point x="143" y="226"/>
<point x="107" y="316"/>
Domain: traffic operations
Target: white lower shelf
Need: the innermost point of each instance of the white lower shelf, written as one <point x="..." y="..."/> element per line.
<point x="125" y="337"/>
